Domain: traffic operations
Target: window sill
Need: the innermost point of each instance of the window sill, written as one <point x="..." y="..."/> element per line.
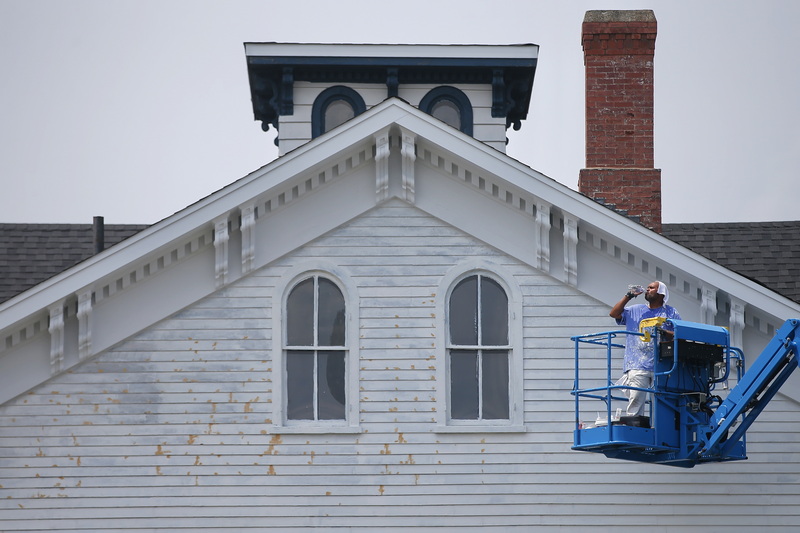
<point x="314" y="430"/>
<point x="483" y="428"/>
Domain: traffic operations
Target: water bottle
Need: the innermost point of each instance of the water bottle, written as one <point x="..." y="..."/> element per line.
<point x="636" y="290"/>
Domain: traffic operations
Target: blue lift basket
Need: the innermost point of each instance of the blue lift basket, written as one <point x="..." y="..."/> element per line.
<point x="692" y="417"/>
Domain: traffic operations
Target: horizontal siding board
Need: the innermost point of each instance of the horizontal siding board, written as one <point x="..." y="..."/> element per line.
<point x="173" y="428"/>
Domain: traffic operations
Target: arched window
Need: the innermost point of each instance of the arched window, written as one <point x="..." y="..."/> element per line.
<point x="479" y="350"/>
<point x="315" y="350"/>
<point x="333" y="107"/>
<point x="449" y="105"/>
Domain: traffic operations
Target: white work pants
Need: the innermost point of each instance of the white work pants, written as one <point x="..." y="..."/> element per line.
<point x="636" y="398"/>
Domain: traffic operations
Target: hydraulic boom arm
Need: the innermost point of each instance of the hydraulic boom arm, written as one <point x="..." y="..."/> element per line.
<point x="757" y="387"/>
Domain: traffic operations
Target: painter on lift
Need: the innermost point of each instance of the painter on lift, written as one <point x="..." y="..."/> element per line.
<point x="640" y="349"/>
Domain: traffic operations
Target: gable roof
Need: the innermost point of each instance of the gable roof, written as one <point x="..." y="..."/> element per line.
<point x="343" y="174"/>
<point x="33" y="253"/>
<point x="766" y="252"/>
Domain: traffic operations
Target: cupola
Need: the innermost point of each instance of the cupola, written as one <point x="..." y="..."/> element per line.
<point x="306" y="90"/>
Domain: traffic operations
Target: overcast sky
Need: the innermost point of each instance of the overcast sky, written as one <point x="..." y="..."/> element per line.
<point x="135" y="109"/>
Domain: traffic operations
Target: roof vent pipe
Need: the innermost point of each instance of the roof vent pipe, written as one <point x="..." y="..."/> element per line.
<point x="98" y="234"/>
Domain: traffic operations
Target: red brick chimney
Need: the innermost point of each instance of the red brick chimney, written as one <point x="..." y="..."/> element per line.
<point x="618" y="50"/>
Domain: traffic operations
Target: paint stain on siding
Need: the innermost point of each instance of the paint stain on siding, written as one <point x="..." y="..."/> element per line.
<point x="161" y="451"/>
<point x="381" y="489"/>
<point x="271" y="470"/>
<point x="386" y="450"/>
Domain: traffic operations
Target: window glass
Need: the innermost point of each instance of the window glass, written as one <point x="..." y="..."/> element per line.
<point x="464" y="313"/>
<point x="448" y="112"/>
<point x="451" y="106"/>
<point x="337" y="113"/>
<point x="330" y="383"/>
<point x="494" y="366"/>
<point x="300" y="314"/>
<point x="464" y="379"/>
<point x="494" y="313"/>
<point x="299" y="373"/>
<point x="331" y="314"/>
<point x="315" y="374"/>
<point x="478" y="350"/>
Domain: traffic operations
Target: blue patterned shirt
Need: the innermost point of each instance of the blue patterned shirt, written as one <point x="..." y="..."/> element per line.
<point x="639" y="354"/>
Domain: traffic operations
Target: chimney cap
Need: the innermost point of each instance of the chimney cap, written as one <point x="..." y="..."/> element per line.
<point x="639" y="15"/>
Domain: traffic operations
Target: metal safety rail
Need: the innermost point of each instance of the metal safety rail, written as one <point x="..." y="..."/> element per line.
<point x="609" y="434"/>
<point x="687" y="422"/>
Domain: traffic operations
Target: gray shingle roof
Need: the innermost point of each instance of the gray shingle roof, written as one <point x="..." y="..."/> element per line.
<point x="766" y="252"/>
<point x="33" y="253"/>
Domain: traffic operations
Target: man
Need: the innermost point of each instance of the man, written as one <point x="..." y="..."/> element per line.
<point x="640" y="351"/>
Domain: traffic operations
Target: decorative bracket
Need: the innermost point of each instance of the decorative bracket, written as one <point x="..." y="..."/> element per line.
<point x="409" y="155"/>
<point x="736" y="322"/>
<point x="248" y="237"/>
<point x="221" y="236"/>
<point x="84" y="323"/>
<point x="499" y="108"/>
<point x="287" y="91"/>
<point x="708" y="305"/>
<point x="570" y="249"/>
<point x="543" y="236"/>
<point x="392" y="82"/>
<point x="382" y="165"/>
<point x="56" y="330"/>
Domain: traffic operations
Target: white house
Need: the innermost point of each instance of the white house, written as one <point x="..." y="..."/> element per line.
<point x="370" y="333"/>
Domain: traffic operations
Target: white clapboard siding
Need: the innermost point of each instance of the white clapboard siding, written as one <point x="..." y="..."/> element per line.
<point x="172" y="429"/>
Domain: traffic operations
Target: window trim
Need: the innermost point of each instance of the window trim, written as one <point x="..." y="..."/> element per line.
<point x="457" y="97"/>
<point x="328" y="96"/>
<point x="278" y="370"/>
<point x="515" y="422"/>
